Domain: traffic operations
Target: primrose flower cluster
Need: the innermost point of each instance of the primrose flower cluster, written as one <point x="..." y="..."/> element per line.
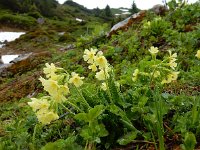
<point x="99" y="64"/>
<point x="164" y="70"/>
<point x="56" y="85"/>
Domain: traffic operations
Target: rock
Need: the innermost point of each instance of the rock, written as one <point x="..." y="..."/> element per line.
<point x="159" y="9"/>
<point x="125" y="24"/>
<point x="68" y="47"/>
<point x="23" y="63"/>
<point x="40" y="20"/>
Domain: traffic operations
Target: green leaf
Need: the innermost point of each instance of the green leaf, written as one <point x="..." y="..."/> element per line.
<point x="127" y="138"/>
<point x="81" y="117"/>
<point x="62" y="144"/>
<point x="119" y="112"/>
<point x="142" y="101"/>
<point x="189" y="141"/>
<point x="95" y="112"/>
<point x="94" y="132"/>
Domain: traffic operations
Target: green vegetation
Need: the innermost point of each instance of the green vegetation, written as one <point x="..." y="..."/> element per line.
<point x="138" y="89"/>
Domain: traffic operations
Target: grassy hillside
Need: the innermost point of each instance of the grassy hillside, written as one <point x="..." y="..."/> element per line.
<point x="140" y="89"/>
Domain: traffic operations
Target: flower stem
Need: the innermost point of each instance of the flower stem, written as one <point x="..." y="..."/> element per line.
<point x="73" y="105"/>
<point x="83" y="99"/>
<point x="34" y="133"/>
<point x="66" y="108"/>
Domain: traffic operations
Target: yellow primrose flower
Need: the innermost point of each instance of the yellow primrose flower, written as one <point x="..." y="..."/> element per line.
<point x="46" y="117"/>
<point x="174" y="75"/>
<point x="153" y="50"/>
<point x="198" y="54"/>
<point x="51" y="86"/>
<point x="101" y="61"/>
<point x="172" y="64"/>
<point x="156" y="74"/>
<point x="172" y="56"/>
<point x="135" y="75"/>
<point x="102" y="75"/>
<point x="89" y="55"/>
<point x="50" y="71"/>
<point x="76" y="79"/>
<point x="37" y="104"/>
<point x="170" y="77"/>
<point x="93" y="67"/>
<point x="61" y="93"/>
<point x="104" y="86"/>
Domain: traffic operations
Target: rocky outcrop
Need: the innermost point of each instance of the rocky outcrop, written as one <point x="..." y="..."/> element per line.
<point x="159" y="9"/>
<point x="125" y="24"/>
<point x="23" y="63"/>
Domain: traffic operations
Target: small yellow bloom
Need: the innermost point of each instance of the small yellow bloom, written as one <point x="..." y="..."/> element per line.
<point x="135" y="75"/>
<point x="170" y="77"/>
<point x="99" y="53"/>
<point x="76" y="79"/>
<point x="174" y="75"/>
<point x="46" y="117"/>
<point x="50" y="71"/>
<point x="93" y="67"/>
<point x="104" y="86"/>
<point x="61" y="93"/>
<point x="172" y="56"/>
<point x="102" y="75"/>
<point x="156" y="74"/>
<point x="172" y="64"/>
<point x="37" y="104"/>
<point x="198" y="54"/>
<point x="153" y="50"/>
<point x="89" y="55"/>
<point x="51" y="86"/>
<point x="101" y="61"/>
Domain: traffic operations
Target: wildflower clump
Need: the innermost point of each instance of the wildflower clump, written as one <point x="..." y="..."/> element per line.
<point x="42" y="109"/>
<point x="161" y="71"/>
<point x="56" y="85"/>
<point x="99" y="64"/>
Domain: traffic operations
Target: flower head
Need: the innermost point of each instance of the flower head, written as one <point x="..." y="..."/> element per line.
<point x="89" y="55"/>
<point x="46" y="116"/>
<point x="156" y="74"/>
<point x="153" y="50"/>
<point x="198" y="54"/>
<point x="172" y="59"/>
<point x="101" y="61"/>
<point x="104" y="86"/>
<point x="38" y="104"/>
<point x="170" y="77"/>
<point x="50" y="71"/>
<point x="51" y="86"/>
<point x="102" y="75"/>
<point x="135" y="75"/>
<point x="76" y="79"/>
<point x="93" y="67"/>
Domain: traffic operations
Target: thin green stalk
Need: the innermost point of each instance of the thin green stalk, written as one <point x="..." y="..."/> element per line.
<point x="83" y="99"/>
<point x="160" y="123"/>
<point x="66" y="108"/>
<point x="108" y="91"/>
<point x="86" y="145"/>
<point x="34" y="133"/>
<point x="153" y="138"/>
<point x="73" y="105"/>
